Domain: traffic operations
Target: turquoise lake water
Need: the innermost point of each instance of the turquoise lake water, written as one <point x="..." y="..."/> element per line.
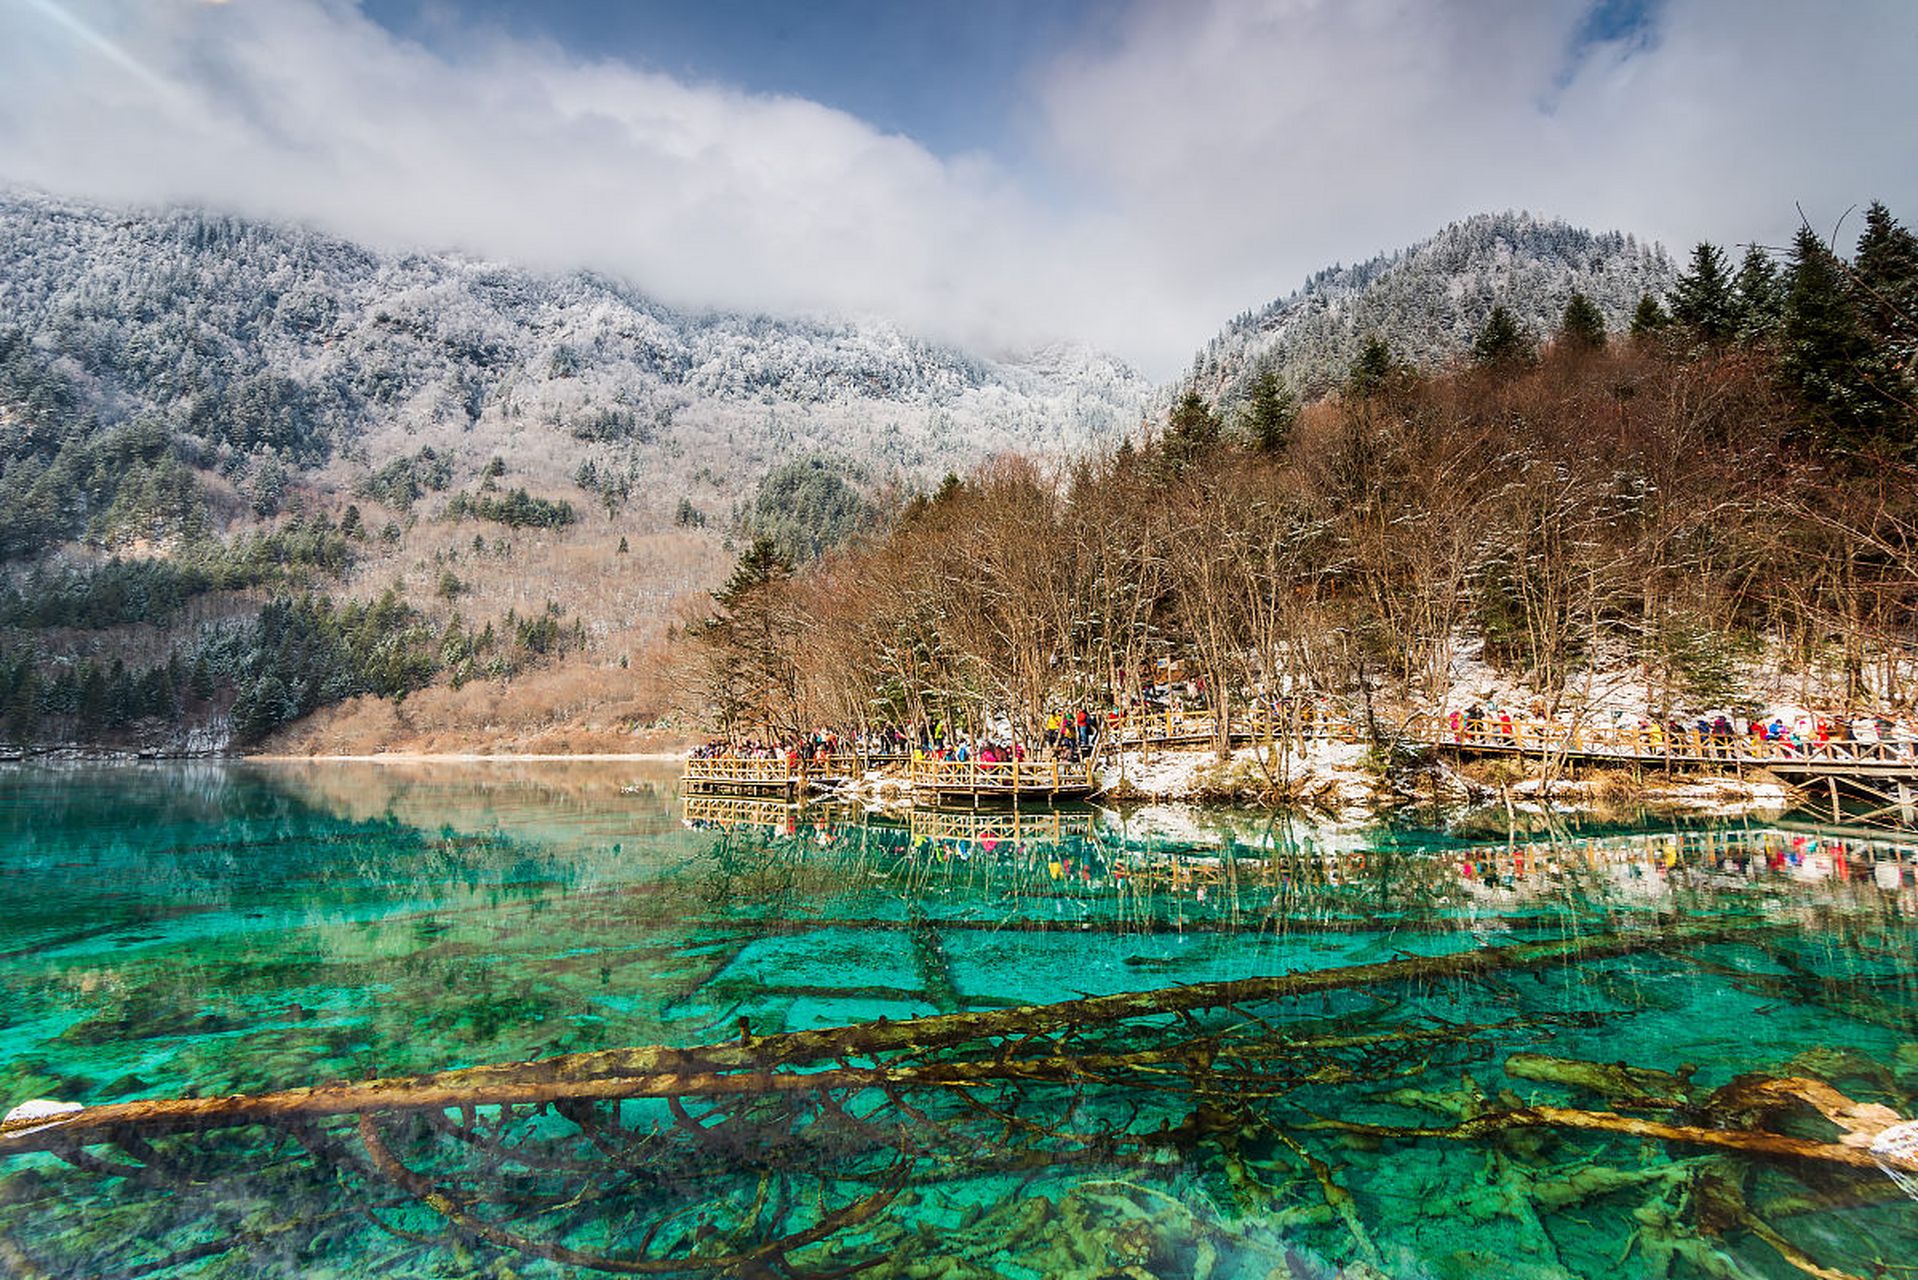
<point x="220" y="929"/>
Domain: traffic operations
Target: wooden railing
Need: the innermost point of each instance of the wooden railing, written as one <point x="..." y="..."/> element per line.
<point x="1005" y="776"/>
<point x="1018" y="824"/>
<point x="769" y="771"/>
<point x="1255" y="724"/>
<point x="1650" y="742"/>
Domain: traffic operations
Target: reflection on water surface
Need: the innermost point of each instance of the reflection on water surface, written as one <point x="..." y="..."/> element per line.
<point x="212" y="930"/>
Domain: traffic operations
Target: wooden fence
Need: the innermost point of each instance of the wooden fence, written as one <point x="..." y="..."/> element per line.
<point x="1656" y="744"/>
<point x="1003" y="777"/>
<point x="1255" y="724"/>
<point x="775" y="773"/>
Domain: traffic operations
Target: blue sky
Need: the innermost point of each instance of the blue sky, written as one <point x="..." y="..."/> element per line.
<point x="994" y="173"/>
<point x="954" y="74"/>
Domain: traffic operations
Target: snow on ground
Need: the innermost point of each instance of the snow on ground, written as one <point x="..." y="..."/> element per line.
<point x="1616" y="691"/>
<point x="1336" y="776"/>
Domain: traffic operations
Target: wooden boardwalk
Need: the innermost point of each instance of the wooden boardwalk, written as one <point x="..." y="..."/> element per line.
<point x="1884" y="772"/>
<point x="1258" y="724"/>
<point x="1014" y="780"/>
<point x="775" y="776"/>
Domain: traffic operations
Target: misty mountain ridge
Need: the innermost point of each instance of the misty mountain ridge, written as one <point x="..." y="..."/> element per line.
<point x="257" y="337"/>
<point x="1429" y="301"/>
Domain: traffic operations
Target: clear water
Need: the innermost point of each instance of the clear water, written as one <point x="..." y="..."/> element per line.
<point x="234" y="929"/>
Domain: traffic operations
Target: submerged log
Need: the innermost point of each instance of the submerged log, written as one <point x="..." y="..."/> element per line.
<point x="1860" y="1122"/>
<point x="1622" y="1083"/>
<point x="795" y="1061"/>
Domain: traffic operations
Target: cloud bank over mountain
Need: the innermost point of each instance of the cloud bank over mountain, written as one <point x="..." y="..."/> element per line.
<point x="1186" y="161"/>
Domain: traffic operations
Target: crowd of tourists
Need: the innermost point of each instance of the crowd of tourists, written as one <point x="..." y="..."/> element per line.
<point x="1725" y="732"/>
<point x="1068" y="735"/>
<point x="816" y="747"/>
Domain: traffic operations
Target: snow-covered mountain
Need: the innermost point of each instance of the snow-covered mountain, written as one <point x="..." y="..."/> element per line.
<point x="253" y="338"/>
<point x="1429" y="301"/>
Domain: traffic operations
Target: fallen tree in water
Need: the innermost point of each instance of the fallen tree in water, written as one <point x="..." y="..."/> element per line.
<point x="784" y="1154"/>
<point x="750" y="1064"/>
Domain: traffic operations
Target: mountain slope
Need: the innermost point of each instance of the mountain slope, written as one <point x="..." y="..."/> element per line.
<point x="1429" y="301"/>
<point x="263" y="339"/>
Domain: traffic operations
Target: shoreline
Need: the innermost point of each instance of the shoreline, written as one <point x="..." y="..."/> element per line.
<point x="1331" y="783"/>
<point x="67" y="755"/>
<point x="468" y="757"/>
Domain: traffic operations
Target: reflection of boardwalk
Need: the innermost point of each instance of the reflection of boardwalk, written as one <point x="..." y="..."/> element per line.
<point x="778" y="776"/>
<point x="725" y="811"/>
<point x="1013" y="780"/>
<point x="1014" y="825"/>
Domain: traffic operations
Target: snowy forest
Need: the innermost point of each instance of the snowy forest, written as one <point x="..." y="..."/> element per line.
<point x="1431" y="300"/>
<point x="259" y="486"/>
<point x="1716" y="499"/>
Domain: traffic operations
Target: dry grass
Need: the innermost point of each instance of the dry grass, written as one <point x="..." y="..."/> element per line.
<point x="611" y="697"/>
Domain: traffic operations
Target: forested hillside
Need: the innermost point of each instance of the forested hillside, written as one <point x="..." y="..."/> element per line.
<point x="442" y="470"/>
<point x="256" y="340"/>
<point x="1713" y="505"/>
<point x="1430" y="300"/>
<point x="262" y="488"/>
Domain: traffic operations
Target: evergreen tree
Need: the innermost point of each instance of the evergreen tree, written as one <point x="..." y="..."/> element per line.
<point x="1649" y="318"/>
<point x="267" y="489"/>
<point x="1829" y="361"/>
<point x="760" y="563"/>
<point x="1887" y="278"/>
<point x="1503" y="342"/>
<point x="1702" y="297"/>
<point x="199" y="684"/>
<point x="1269" y="413"/>
<point x="1191" y="430"/>
<point x="1373" y="370"/>
<point x="1759" y="295"/>
<point x="1583" y="325"/>
<point x="263" y="706"/>
<point x="92" y="702"/>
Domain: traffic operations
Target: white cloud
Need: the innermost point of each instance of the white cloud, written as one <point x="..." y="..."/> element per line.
<point x="1199" y="159"/>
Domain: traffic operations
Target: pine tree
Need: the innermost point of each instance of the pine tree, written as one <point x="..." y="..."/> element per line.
<point x="199" y="684"/>
<point x="1374" y="370"/>
<point x="1269" y="413"/>
<point x="1828" y="360"/>
<point x="759" y="564"/>
<point x="1758" y="294"/>
<point x="1191" y="430"/>
<point x="1702" y="297"/>
<point x="1583" y="325"/>
<point x="1887" y="278"/>
<point x="1503" y="343"/>
<point x="1649" y="318"/>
